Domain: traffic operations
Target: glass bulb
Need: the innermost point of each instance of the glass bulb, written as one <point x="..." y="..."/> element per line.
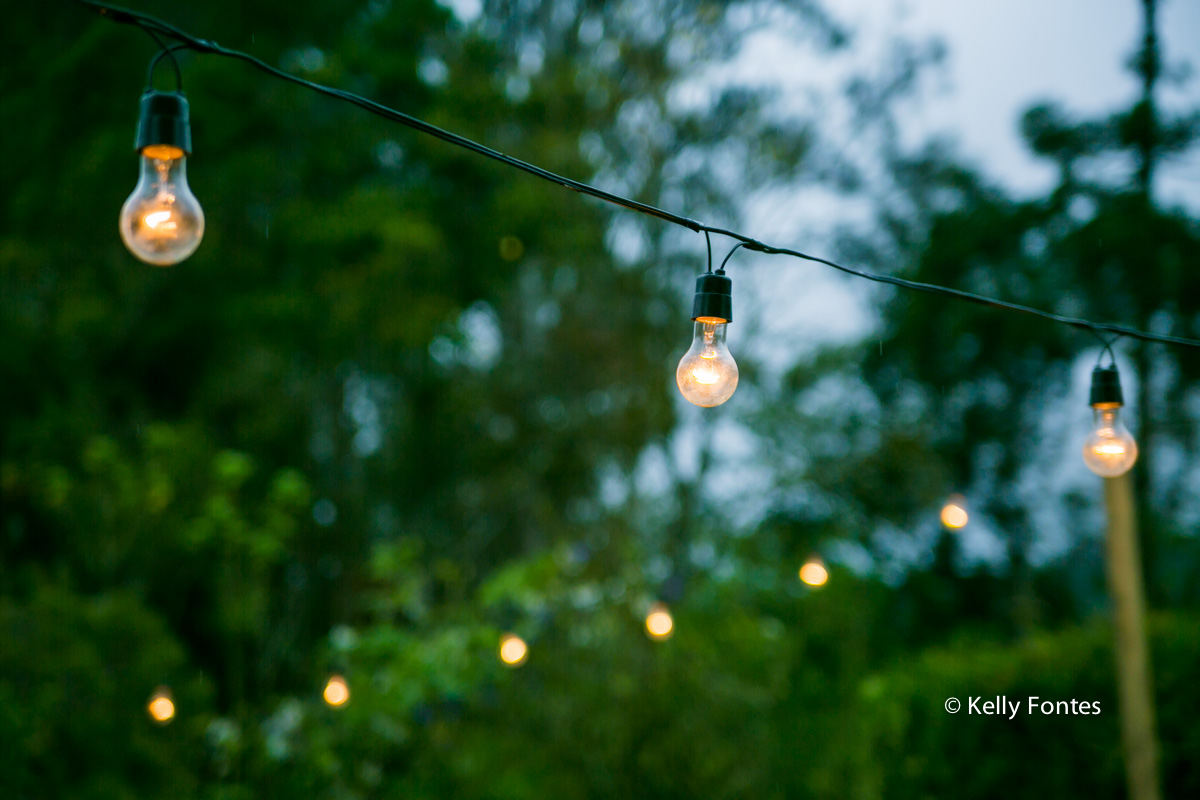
<point x="161" y="221"/>
<point x="1110" y="450"/>
<point x="707" y="373"/>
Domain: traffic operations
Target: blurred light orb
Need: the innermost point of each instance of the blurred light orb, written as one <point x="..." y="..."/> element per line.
<point x="161" y="707"/>
<point x="659" y="624"/>
<point x="513" y="650"/>
<point x="814" y="573"/>
<point x="511" y="248"/>
<point x="337" y="693"/>
<point x="954" y="513"/>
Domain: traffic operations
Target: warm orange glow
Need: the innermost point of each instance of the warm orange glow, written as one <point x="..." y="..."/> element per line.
<point x="659" y="624"/>
<point x="954" y="513"/>
<point x="513" y="650"/>
<point x="814" y="573"/>
<point x="707" y="375"/>
<point x="1110" y="450"/>
<point x="337" y="693"/>
<point x="161" y="707"/>
<point x="159" y="220"/>
<point x="163" y="152"/>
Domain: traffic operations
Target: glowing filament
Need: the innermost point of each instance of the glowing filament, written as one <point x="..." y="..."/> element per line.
<point x="156" y="218"/>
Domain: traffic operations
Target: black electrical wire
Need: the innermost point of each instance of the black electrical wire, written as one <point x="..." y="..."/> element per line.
<point x="1096" y="328"/>
<point x="156" y="28"/>
<point x="729" y="255"/>
<point x="169" y="52"/>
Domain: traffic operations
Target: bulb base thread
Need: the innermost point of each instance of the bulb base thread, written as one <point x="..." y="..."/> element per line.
<point x="1106" y="387"/>
<point x="164" y="120"/>
<point x="714" y="297"/>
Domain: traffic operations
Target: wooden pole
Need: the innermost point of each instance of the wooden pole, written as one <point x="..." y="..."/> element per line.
<point x="1135" y="698"/>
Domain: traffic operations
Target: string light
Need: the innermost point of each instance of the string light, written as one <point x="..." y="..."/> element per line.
<point x="337" y="692"/>
<point x="158" y="29"/>
<point x="707" y="375"/>
<point x="814" y="573"/>
<point x="1110" y="450"/>
<point x="161" y="707"/>
<point x="659" y="623"/>
<point x="954" y="513"/>
<point x="513" y="650"/>
<point x="161" y="221"/>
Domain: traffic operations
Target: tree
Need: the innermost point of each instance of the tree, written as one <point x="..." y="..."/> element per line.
<point x="381" y="399"/>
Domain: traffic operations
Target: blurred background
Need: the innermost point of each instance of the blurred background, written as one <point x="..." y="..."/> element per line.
<point x="404" y="402"/>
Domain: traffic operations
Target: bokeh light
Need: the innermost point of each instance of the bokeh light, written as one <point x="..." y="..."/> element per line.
<point x="513" y="650"/>
<point x="659" y="624"/>
<point x="337" y="693"/>
<point x="161" y="707"/>
<point x="511" y="248"/>
<point x="814" y="573"/>
<point x="954" y="513"/>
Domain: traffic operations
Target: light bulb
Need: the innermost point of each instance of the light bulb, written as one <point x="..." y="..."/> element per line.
<point x="162" y="222"/>
<point x="954" y="513"/>
<point x="1110" y="450"/>
<point x="337" y="692"/>
<point x="707" y="374"/>
<point x="161" y="707"/>
<point x="659" y="624"/>
<point x="814" y="573"/>
<point x="513" y="650"/>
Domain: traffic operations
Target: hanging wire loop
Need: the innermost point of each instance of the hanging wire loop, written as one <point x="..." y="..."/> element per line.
<point x="169" y="52"/>
<point x="729" y="255"/>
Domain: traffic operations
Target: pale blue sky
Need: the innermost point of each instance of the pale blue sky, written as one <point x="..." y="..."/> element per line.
<point x="1005" y="55"/>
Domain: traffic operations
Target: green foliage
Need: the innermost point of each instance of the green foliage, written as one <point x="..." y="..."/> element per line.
<point x="78" y="673"/>
<point x="920" y="751"/>
<point x="402" y="401"/>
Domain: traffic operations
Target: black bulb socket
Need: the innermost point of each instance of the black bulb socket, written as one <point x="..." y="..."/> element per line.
<point x="714" y="297"/>
<point x="164" y="122"/>
<point x="1106" y="388"/>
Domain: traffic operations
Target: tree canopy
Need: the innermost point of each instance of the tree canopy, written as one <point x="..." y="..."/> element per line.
<point x="403" y="401"/>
